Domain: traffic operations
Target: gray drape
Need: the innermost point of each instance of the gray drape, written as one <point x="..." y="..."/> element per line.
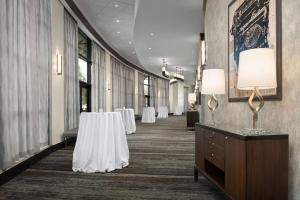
<point x="98" y="78"/>
<point x="154" y="92"/>
<point x="141" y="95"/>
<point x="25" y="71"/>
<point x="122" y="85"/>
<point x="163" y="94"/>
<point x="72" y="109"/>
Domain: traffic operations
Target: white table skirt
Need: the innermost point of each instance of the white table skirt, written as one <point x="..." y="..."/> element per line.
<point x="128" y="119"/>
<point x="101" y="144"/>
<point x="178" y="110"/>
<point x="148" y="115"/>
<point x="162" y="112"/>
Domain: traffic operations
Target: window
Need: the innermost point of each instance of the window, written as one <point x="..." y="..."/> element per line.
<point x="147" y="90"/>
<point x="84" y="71"/>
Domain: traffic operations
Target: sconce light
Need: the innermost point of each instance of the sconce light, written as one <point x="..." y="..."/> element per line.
<point x="203" y="49"/>
<point x="108" y="85"/>
<point x="59" y="64"/>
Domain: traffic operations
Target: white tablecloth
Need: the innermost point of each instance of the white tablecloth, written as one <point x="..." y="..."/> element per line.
<point x="178" y="110"/>
<point x="128" y="119"/>
<point x="148" y="115"/>
<point x="162" y="112"/>
<point x="101" y="144"/>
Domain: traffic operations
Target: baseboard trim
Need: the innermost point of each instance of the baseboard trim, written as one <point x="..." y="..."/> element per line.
<point x="22" y="166"/>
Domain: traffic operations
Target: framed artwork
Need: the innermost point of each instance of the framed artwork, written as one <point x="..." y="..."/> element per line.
<point x="253" y="24"/>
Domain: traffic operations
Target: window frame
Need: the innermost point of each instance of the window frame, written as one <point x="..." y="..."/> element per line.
<point x="86" y="85"/>
<point x="147" y="97"/>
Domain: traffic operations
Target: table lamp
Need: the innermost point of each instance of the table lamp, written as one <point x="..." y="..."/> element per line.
<point x="257" y="71"/>
<point x="192" y="98"/>
<point x="213" y="82"/>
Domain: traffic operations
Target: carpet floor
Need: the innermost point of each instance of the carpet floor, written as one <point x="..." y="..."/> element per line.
<point x="161" y="167"/>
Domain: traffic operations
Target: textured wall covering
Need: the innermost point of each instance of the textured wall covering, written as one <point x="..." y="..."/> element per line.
<point x="282" y="116"/>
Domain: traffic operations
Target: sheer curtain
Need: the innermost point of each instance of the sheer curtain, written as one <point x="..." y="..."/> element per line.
<point x="163" y="97"/>
<point x="153" y="92"/>
<point x="122" y="85"/>
<point x="98" y="78"/>
<point x="141" y="95"/>
<point x="72" y="109"/>
<point x="25" y="77"/>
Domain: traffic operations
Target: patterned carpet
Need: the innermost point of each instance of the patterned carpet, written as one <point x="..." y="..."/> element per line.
<point x="161" y="167"/>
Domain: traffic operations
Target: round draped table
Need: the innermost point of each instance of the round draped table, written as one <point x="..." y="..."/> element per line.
<point x="101" y="144"/>
<point x="128" y="119"/>
<point x="162" y="112"/>
<point x="148" y="115"/>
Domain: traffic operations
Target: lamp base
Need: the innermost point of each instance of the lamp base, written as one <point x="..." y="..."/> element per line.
<point x="255" y="110"/>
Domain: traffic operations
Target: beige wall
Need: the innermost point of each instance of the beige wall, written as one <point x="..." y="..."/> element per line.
<point x="108" y="79"/>
<point x="57" y="16"/>
<point x="282" y="116"/>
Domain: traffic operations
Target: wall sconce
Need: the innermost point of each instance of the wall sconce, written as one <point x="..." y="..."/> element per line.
<point x="108" y="85"/>
<point x="203" y="49"/>
<point x="59" y="64"/>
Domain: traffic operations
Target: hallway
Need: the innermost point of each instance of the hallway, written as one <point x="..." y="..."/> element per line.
<point x="160" y="167"/>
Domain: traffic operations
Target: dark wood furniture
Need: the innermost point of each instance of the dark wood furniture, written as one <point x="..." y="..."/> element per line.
<point x="243" y="166"/>
<point x="192" y="117"/>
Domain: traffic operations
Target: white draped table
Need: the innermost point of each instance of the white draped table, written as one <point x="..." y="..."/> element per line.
<point x="148" y="115"/>
<point x="101" y="144"/>
<point x="128" y="119"/>
<point x="162" y="112"/>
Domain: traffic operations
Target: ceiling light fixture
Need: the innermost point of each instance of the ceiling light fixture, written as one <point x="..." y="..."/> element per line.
<point x="165" y="73"/>
<point x="178" y="74"/>
<point x="130" y="42"/>
<point x="149" y="48"/>
<point x="151" y="34"/>
<point x="116" y="5"/>
<point x="118" y="32"/>
<point x="118" y="21"/>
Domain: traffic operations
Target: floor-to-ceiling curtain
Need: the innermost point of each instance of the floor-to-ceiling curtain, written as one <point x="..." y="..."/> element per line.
<point x="163" y="94"/>
<point x="122" y="85"/>
<point x="153" y="92"/>
<point x="141" y="95"/>
<point x="129" y="92"/>
<point x="72" y="109"/>
<point x="25" y="71"/>
<point x="98" y="78"/>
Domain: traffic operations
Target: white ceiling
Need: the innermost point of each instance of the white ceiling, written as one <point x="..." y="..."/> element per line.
<point x="176" y="25"/>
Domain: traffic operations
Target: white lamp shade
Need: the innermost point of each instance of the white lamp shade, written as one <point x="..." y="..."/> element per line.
<point x="257" y="68"/>
<point x="192" y="98"/>
<point x="213" y="81"/>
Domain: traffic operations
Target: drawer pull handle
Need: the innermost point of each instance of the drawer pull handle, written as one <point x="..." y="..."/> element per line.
<point x="226" y="138"/>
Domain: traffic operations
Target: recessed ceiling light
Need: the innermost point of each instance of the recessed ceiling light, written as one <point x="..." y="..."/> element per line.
<point x="151" y="34"/>
<point x="130" y="42"/>
<point x="118" y="21"/>
<point x="116" y="5"/>
<point x="118" y="32"/>
<point x="149" y="48"/>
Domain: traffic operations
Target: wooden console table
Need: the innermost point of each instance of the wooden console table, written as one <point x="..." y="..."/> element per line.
<point x="192" y="117"/>
<point x="243" y="166"/>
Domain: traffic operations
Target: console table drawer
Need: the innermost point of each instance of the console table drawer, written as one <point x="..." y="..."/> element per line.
<point x="215" y="154"/>
<point x="214" y="138"/>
